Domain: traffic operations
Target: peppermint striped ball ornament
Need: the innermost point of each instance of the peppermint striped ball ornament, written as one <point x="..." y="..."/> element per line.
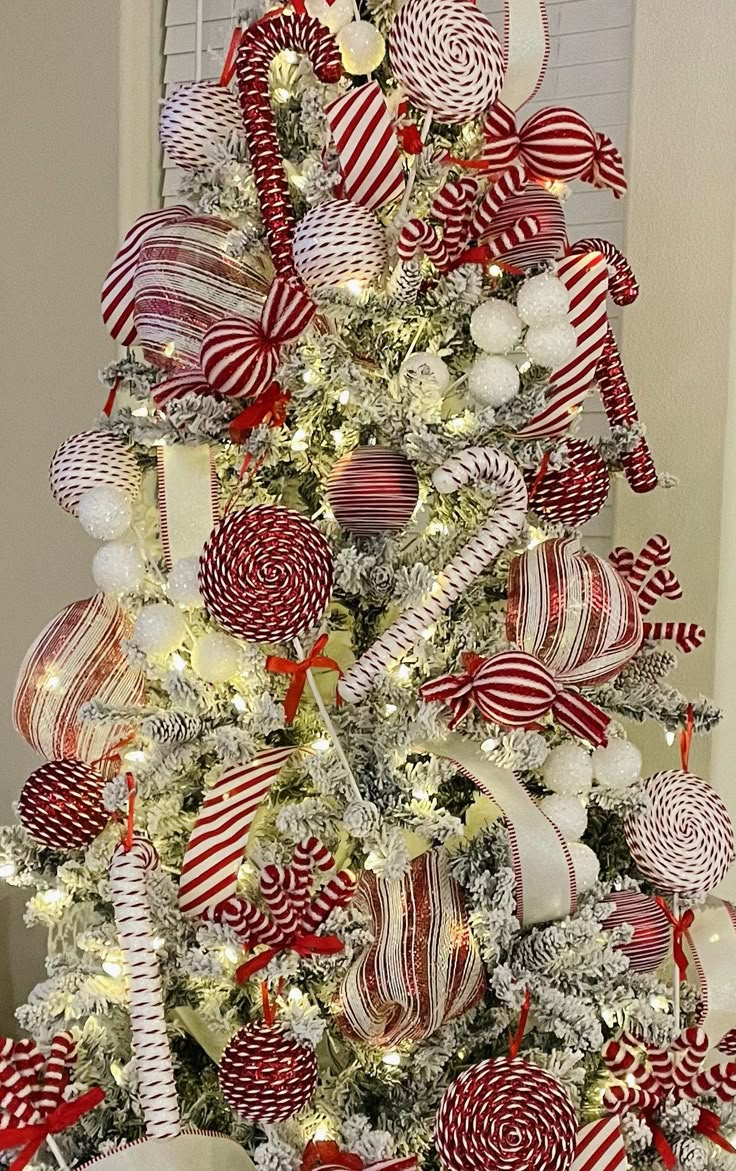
<point x="266" y="1074"/>
<point x="266" y="574"/>
<point x="339" y="242"/>
<point x="184" y="282"/>
<point x="572" y="495"/>
<point x="534" y="203"/>
<point x="683" y="841"/>
<point x="506" y="1115"/>
<point x="89" y="460"/>
<point x="373" y="490"/>
<point x="448" y="57"/>
<point x="61" y="805"/>
<point x="194" y="118"/>
<point x="423" y="968"/>
<point x="649" y="945"/>
<point x="176" y="386"/>
<point x="76" y="658"/>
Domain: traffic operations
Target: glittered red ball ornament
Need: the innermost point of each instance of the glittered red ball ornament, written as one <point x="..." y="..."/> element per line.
<point x="650" y="942"/>
<point x="373" y="490"/>
<point x="61" y="805"/>
<point x="574" y="494"/>
<point x="266" y="1074"/>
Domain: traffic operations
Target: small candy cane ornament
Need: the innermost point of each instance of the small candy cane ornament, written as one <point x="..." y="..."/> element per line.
<point x="451" y="208"/>
<point x="473" y="464"/>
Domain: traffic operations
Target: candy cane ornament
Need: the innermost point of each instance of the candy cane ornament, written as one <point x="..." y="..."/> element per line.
<point x="469" y="466"/>
<point x="258" y="47"/>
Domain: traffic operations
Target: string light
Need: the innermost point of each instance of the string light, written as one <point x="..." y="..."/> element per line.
<point x="299" y="440"/>
<point x="489" y="745"/>
<point x="295" y="994"/>
<point x="393" y="1058"/>
<point x="140" y="412"/>
<point x="389" y="709"/>
<point x="495" y="270"/>
<point x="282" y="95"/>
<point x="669" y="737"/>
<point x="239" y="703"/>
<point x="321" y="745"/>
<point x="420" y="795"/>
<point x="403" y="672"/>
<point x="157" y="942"/>
<point x="230" y="955"/>
<point x="354" y="287"/>
<point x="524" y="367"/>
<point x="309" y="377"/>
<point x="177" y="662"/>
<point x="135" y="756"/>
<point x="169" y="349"/>
<point x="52" y="682"/>
<point x="52" y="896"/>
<point x="338" y="437"/>
<point x="322" y="1133"/>
<point x="344" y="397"/>
<point x="112" y="968"/>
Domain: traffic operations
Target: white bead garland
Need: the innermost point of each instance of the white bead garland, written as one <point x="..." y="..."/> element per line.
<point x="568" y="769"/>
<point x="159" y="629"/>
<point x="184" y="583"/>
<point x="105" y="512"/>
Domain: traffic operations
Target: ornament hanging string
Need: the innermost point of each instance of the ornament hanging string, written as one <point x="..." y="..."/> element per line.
<point x="114" y="752"/>
<point x="128" y="836"/>
<point x="518" y="1036"/>
<point x="539" y="476"/>
<point x="680" y="925"/>
<point x="228" y="67"/>
<point x="269" y="1006"/>
<point x="298" y="672"/>
<point x="303" y="945"/>
<point x="110" y="400"/>
<point x="686" y="738"/>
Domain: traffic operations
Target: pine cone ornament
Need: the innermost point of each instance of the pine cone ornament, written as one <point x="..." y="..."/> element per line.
<point x="691" y="1154"/>
<point x="536" y="951"/>
<point x="266" y="1075"/>
<point x="647" y="669"/>
<point x="172" y="727"/>
<point x="404" y="283"/>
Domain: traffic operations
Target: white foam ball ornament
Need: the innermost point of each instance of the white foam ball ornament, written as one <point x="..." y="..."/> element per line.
<point x="423" y="370"/>
<point x="495" y="326"/>
<point x="568" y="813"/>
<point x="493" y="380"/>
<point x="586" y="865"/>
<point x="339" y="244"/>
<point x="568" y="769"/>
<point x="333" y="16"/>
<point x="216" y="657"/>
<point x="362" y="47"/>
<point x="184" y="583"/>
<point x="542" y="300"/>
<point x="551" y="345"/>
<point x="118" y="568"/>
<point x="105" y="512"/>
<point x="617" y="765"/>
<point x="159" y="629"/>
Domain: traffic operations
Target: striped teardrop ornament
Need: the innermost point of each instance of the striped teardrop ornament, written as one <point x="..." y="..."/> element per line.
<point x="373" y="490"/>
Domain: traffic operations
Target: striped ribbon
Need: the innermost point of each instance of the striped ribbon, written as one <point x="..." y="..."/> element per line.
<point x="526" y="50"/>
<point x="188" y="499"/>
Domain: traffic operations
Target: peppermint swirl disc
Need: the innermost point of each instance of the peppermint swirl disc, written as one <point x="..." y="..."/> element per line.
<point x="683" y="841"/>
<point x="448" y="57"/>
<point x="505" y="1115"/>
<point x="266" y="573"/>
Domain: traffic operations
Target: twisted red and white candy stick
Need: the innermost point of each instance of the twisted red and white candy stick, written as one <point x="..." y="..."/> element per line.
<point x="624" y="1064"/>
<point x="663" y="584"/>
<point x="283" y="913"/>
<point x="656" y="553"/>
<point x="16" y="1096"/>
<point x="246" y="920"/>
<point x="28" y="1061"/>
<point x="689" y="1050"/>
<point x="336" y="893"/>
<point x="473" y="464"/>
<point x="258" y="47"/>
<point x="719" y="1080"/>
<point x="687" y="636"/>
<point x="128" y="873"/>
<point x="451" y="208"/>
<point x="56" y="1073"/>
<point x="512" y="182"/>
<point x="307" y="855"/>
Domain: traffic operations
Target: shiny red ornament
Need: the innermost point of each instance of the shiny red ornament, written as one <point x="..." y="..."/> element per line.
<point x="373" y="490"/>
<point x="574" y="494"/>
<point x="266" y="1074"/>
<point x="650" y="943"/>
<point x="61" y="805"/>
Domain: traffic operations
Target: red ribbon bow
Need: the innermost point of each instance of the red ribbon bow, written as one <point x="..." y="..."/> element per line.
<point x="326" y="1153"/>
<point x="663" y="1148"/>
<point x="32" y="1136"/>
<point x="679" y="927"/>
<point x="298" y="672"/>
<point x="304" y="945"/>
<point x="269" y="407"/>
<point x="709" y="1124"/>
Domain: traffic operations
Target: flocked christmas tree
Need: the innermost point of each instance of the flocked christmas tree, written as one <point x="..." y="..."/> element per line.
<point x="342" y="847"/>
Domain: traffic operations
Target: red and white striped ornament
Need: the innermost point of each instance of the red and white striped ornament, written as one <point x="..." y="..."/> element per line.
<point x="175" y="386"/>
<point x="573" y="611"/>
<point x="600" y="1147"/>
<point x="184" y="282"/>
<point x="373" y="490"/>
<point x="339" y="242"/>
<point x="266" y="1074"/>
<point x="650" y="943"/>
<point x="533" y="203"/>
<point x="574" y="494"/>
<point x="423" y="968"/>
<point x="77" y="657"/>
<point x="506" y="1115"/>
<point x="194" y="118"/>
<point x="451" y="209"/>
<point x="447" y="57"/>
<point x="684" y="840"/>
<point x="61" y="805"/>
<point x="118" y="299"/>
<point x="266" y="573"/>
<point x="367" y="148"/>
<point x="89" y="460"/>
<point x="214" y="853"/>
<point x="635" y="570"/>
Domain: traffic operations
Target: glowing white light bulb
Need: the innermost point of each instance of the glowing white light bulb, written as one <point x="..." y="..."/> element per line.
<point x="7" y="870"/>
<point x="344" y="397"/>
<point x="112" y="968"/>
<point x="321" y="745"/>
<point x="239" y="703"/>
<point x="392" y="1058"/>
<point x="390" y="708"/>
<point x="177" y="662"/>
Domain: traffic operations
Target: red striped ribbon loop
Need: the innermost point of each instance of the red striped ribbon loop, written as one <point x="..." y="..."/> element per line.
<point x="303" y="945"/>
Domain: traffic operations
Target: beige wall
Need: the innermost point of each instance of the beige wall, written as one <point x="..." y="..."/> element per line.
<point x="59" y="227"/>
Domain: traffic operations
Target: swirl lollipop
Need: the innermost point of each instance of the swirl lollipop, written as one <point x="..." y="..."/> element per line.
<point x="448" y="57"/>
<point x="683" y="841"/>
<point x="506" y="1115"/>
<point x="266" y="573"/>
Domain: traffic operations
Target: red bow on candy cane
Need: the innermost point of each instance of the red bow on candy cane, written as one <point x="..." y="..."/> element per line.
<point x="514" y="689"/>
<point x="298" y="672"/>
<point x="30" y="1137"/>
<point x="239" y="356"/>
<point x="679" y="928"/>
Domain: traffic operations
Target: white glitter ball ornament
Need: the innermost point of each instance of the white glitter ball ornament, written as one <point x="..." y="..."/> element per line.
<point x="568" y="814"/>
<point x="118" y="568"/>
<point x="105" y="512"/>
<point x="495" y="326"/>
<point x="617" y="765"/>
<point x="216" y="657"/>
<point x="339" y="244"/>
<point x="551" y="345"/>
<point x="568" y="769"/>
<point x="362" y="47"/>
<point x="159" y="629"/>
<point x="425" y="371"/>
<point x="333" y="16"/>
<point x="542" y="300"/>
<point x="184" y="583"/>
<point x="493" y="380"/>
<point x="586" y="864"/>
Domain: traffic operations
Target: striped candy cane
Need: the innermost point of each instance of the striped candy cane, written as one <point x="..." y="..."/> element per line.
<point x="511" y="183"/>
<point x="283" y="913"/>
<point x="719" y="1080"/>
<point x="451" y="208"/>
<point x="688" y="1051"/>
<point x="663" y="584"/>
<point x="469" y="466"/>
<point x="687" y="636"/>
<point x="336" y="893"/>
<point x="246" y="920"/>
<point x="521" y="232"/>
<point x="61" y="1056"/>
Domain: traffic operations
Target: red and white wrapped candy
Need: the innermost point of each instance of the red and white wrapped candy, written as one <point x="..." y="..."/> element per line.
<point x="338" y="242"/>
<point x="506" y="1115"/>
<point x="423" y="967"/>
<point x="266" y="1074"/>
<point x="128" y="889"/>
<point x="494" y="225"/>
<point x="574" y="494"/>
<point x="89" y="460"/>
<point x="192" y="120"/>
<point x="451" y="208"/>
<point x="258" y="47"/>
<point x="684" y="840"/>
<point x="447" y="56"/>
<point x="650" y="943"/>
<point x="239" y="356"/>
<point x="61" y="805"/>
<point x="266" y="573"/>
<point x="367" y="147"/>
<point x="478" y="554"/>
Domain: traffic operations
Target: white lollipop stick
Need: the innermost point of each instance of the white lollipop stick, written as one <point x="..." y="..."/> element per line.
<point x="156" y="1084"/>
<point x="475" y="463"/>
